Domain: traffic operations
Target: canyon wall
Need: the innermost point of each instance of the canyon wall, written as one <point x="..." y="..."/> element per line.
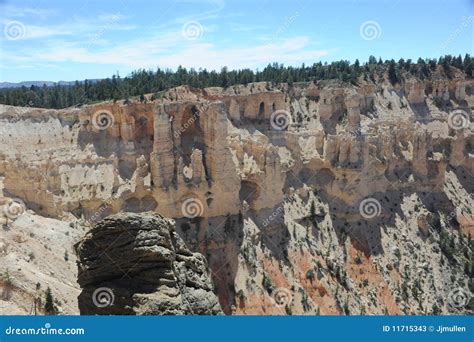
<point x="313" y="198"/>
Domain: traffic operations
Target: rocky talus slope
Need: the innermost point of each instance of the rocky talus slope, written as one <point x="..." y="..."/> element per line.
<point x="137" y="264"/>
<point x="314" y="198"/>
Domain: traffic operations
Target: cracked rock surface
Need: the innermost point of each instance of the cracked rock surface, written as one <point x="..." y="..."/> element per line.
<point x="137" y="264"/>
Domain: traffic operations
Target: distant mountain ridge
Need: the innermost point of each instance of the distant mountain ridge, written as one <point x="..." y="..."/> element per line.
<point x="38" y="83"/>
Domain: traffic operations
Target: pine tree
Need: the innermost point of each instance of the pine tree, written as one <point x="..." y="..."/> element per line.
<point x="467" y="65"/>
<point x="141" y="82"/>
<point x="312" y="209"/>
<point x="49" y="307"/>
<point x="392" y="73"/>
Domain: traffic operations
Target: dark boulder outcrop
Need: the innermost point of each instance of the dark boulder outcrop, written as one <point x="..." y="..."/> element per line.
<point x="137" y="264"/>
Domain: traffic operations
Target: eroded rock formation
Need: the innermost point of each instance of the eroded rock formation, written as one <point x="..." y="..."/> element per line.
<point x="137" y="264"/>
<point x="269" y="183"/>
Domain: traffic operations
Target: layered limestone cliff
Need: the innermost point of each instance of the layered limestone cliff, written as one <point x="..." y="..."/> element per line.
<point x="312" y="198"/>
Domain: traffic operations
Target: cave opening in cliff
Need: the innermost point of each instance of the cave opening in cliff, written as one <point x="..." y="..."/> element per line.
<point x="192" y="136"/>
<point x="136" y="205"/>
<point x="249" y="192"/>
<point x="261" y="110"/>
<point x="132" y="205"/>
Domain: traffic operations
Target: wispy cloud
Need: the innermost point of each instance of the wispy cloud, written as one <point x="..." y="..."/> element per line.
<point x="171" y="50"/>
<point x="10" y="11"/>
<point x="35" y="32"/>
<point x="79" y="28"/>
<point x="235" y="27"/>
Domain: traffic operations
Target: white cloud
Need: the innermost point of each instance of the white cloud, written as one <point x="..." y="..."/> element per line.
<point x="292" y="50"/>
<point x="34" y="32"/>
<point x="87" y="43"/>
<point x="107" y="17"/>
<point x="80" y="28"/>
<point x="10" y="11"/>
<point x="234" y="27"/>
<point x="170" y="50"/>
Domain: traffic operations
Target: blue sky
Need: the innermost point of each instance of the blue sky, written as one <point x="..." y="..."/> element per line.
<point x="69" y="40"/>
